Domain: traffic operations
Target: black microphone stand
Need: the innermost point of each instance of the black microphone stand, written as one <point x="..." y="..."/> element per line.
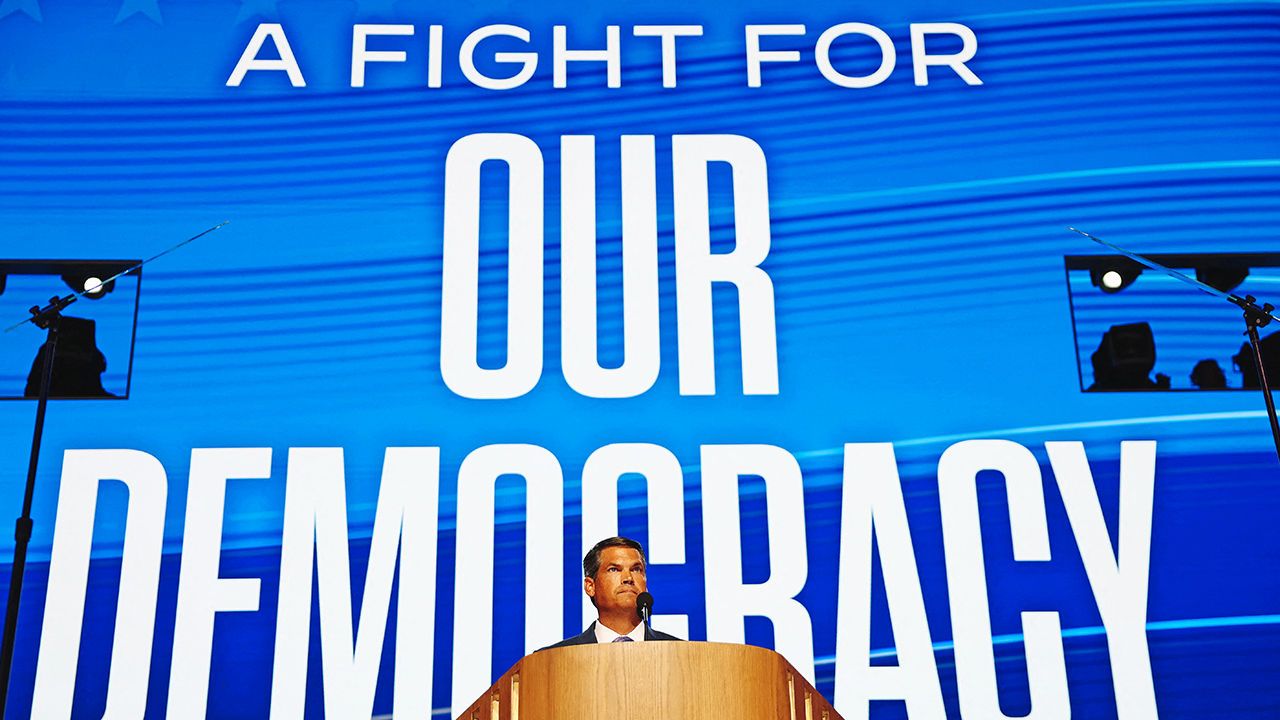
<point x="1256" y="317"/>
<point x="47" y="318"/>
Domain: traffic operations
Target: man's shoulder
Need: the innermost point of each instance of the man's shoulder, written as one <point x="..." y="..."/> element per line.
<point x="588" y="637"/>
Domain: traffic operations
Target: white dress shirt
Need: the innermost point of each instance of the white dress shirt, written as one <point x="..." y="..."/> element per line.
<point x="605" y="635"/>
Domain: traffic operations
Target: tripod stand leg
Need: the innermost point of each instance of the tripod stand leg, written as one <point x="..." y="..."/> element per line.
<point x="1262" y="380"/>
<point x="22" y="533"/>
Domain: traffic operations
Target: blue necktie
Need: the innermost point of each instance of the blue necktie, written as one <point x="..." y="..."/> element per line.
<point x="623" y="638"/>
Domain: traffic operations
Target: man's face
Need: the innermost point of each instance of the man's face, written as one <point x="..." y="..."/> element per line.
<point x="618" y="581"/>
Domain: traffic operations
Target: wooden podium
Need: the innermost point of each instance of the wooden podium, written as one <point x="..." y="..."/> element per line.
<point x="652" y="681"/>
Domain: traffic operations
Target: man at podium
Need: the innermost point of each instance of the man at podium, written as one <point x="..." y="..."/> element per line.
<point x="613" y="577"/>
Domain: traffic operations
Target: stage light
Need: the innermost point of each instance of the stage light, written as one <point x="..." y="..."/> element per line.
<point x="1114" y="279"/>
<point x="89" y="283"/>
<point x="1225" y="279"/>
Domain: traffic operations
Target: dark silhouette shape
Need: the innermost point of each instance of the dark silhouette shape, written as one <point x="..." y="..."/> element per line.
<point x="1244" y="362"/>
<point x="1208" y="375"/>
<point x="1124" y="359"/>
<point x="78" y="364"/>
<point x="1222" y="277"/>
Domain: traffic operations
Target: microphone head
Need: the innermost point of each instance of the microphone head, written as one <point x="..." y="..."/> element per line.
<point x="644" y="605"/>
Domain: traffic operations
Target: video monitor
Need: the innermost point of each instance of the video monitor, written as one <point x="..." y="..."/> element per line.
<point x="94" y="357"/>
<point x="1139" y="329"/>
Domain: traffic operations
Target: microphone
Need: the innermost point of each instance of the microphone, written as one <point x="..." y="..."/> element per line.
<point x="644" y="606"/>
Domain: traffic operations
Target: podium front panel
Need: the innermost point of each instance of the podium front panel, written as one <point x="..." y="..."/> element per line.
<point x="652" y="681"/>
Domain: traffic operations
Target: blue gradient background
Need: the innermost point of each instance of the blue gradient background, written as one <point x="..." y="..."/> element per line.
<point x="918" y="236"/>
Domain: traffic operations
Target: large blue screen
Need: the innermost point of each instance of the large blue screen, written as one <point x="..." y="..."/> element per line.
<point x="792" y="287"/>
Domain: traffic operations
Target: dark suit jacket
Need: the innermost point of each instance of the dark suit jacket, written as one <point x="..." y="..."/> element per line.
<point x="588" y="637"/>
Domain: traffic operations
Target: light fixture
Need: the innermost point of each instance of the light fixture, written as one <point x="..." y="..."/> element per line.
<point x="1115" y="278"/>
<point x="89" y="283"/>
<point x="1225" y="279"/>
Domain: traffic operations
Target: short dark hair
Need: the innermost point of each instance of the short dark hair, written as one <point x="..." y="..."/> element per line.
<point x="591" y="563"/>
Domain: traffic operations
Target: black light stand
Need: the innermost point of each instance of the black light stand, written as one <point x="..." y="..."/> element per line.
<point x="46" y="318"/>
<point x="1254" y="318"/>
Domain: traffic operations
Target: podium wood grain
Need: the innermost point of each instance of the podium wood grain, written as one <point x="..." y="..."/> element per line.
<point x="652" y="681"/>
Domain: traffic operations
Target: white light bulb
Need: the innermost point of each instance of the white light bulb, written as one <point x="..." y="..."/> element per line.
<point x="91" y="283"/>
<point x="1111" y="280"/>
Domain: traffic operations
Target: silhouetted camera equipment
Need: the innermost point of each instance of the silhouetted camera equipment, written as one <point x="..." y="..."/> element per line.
<point x="1124" y="359"/>
<point x="1248" y="368"/>
<point x="1208" y="375"/>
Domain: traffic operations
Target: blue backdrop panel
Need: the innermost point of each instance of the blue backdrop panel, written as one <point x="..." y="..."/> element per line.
<point x="918" y="236"/>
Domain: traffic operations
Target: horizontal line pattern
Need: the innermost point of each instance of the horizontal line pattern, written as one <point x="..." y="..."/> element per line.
<point x="930" y="218"/>
<point x="839" y="268"/>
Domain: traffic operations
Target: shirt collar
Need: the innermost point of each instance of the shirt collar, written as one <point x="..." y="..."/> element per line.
<point x="605" y="635"/>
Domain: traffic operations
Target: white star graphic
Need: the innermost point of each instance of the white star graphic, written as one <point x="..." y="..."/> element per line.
<point x="129" y="8"/>
<point x="265" y="9"/>
<point x="30" y="7"/>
